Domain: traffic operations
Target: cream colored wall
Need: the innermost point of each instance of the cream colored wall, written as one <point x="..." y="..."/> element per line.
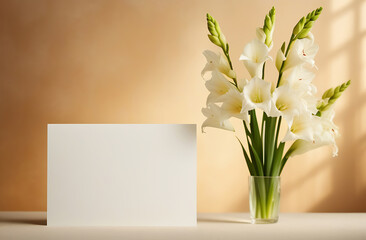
<point x="140" y="62"/>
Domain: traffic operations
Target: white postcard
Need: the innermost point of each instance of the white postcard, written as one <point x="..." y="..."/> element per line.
<point x="121" y="175"/>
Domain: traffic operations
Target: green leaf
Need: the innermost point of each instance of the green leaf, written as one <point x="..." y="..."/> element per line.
<point x="284" y="159"/>
<point x="278" y="130"/>
<point x="256" y="136"/>
<point x="249" y="163"/>
<point x="249" y="136"/>
<point x="257" y="161"/>
<point x="269" y="144"/>
<point x="275" y="171"/>
<point x="283" y="47"/>
<point x="264" y="118"/>
<point x="256" y="164"/>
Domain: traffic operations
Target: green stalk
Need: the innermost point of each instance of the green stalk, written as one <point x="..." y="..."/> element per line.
<point x="331" y="96"/>
<point x="278" y="130"/>
<point x="231" y="65"/>
<point x="283" y="63"/>
<point x="276" y="153"/>
<point x="284" y="160"/>
<point x="251" y="168"/>
<point x="275" y="171"/>
<point x="256" y="136"/>
<point x="301" y="30"/>
<point x="261" y="197"/>
<point x="218" y="38"/>
<point x="269" y="144"/>
<point x="257" y="160"/>
<point x="270" y="199"/>
<point x="248" y="136"/>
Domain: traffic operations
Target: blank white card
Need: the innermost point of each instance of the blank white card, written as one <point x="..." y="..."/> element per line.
<point x="121" y="175"/>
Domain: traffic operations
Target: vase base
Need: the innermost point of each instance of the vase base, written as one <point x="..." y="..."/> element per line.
<point x="263" y="220"/>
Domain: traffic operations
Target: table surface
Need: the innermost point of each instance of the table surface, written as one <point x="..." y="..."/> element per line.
<point x="345" y="226"/>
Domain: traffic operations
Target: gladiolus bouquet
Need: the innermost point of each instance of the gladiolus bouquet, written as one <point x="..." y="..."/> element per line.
<point x="309" y="119"/>
<point x="290" y="100"/>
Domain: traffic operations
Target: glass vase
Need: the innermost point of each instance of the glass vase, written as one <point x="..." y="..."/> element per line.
<point x="264" y="198"/>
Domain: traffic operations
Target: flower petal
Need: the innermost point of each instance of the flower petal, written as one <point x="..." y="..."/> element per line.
<point x="215" y="118"/>
<point x="279" y="59"/>
<point x="254" y="55"/>
<point x="257" y="94"/>
<point x="260" y="34"/>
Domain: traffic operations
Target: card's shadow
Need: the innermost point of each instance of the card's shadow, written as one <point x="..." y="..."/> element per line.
<point x="222" y="219"/>
<point x="41" y="222"/>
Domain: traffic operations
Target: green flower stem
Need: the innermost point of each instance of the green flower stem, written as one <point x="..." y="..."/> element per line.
<point x="231" y="65"/>
<point x="301" y="30"/>
<point x="276" y="155"/>
<point x="258" y="209"/>
<point x="278" y="130"/>
<point x="275" y="171"/>
<point x="292" y="39"/>
<point x="218" y="38"/>
<point x="251" y="168"/>
<point x="270" y="199"/>
<point x="256" y="135"/>
<point x="256" y="164"/>
<point x="332" y="95"/>
<point x="303" y="27"/>
<point x="268" y="26"/>
<point x="264" y="115"/>
<point x="261" y="197"/>
<point x="284" y="160"/>
<point x="269" y="142"/>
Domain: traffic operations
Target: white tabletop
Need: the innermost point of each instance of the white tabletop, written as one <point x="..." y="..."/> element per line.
<point x="345" y="226"/>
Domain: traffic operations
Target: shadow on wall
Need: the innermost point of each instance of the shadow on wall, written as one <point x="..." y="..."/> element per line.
<point x="345" y="48"/>
<point x="347" y="18"/>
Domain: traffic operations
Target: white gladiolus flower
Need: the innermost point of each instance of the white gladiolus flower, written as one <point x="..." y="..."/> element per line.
<point x="233" y="105"/>
<point x="299" y="79"/>
<point x="280" y="57"/>
<point x="324" y="136"/>
<point x="254" y="55"/>
<point x="257" y="94"/>
<point x="260" y="34"/>
<point x="215" y="118"/>
<point x="242" y="83"/>
<point x="310" y="36"/>
<point x="286" y="103"/>
<point x="310" y="102"/>
<point x="217" y="62"/>
<point x="303" y="51"/>
<point x="218" y="86"/>
<point x="329" y="131"/>
<point x="301" y="127"/>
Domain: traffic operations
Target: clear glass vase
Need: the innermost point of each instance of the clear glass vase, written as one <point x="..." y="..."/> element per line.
<point x="264" y="198"/>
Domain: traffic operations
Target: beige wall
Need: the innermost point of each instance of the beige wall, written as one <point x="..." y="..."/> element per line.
<point x="140" y="62"/>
